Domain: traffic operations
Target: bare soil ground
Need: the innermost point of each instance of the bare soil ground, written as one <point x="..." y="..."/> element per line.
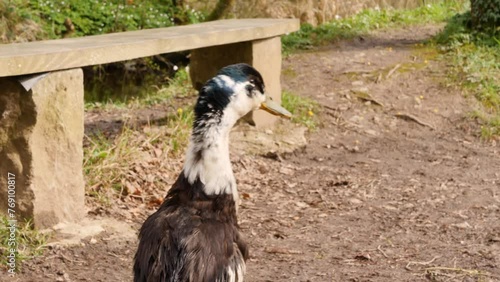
<point x="395" y="186"/>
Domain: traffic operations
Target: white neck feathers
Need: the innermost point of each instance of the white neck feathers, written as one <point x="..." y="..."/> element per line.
<point x="207" y="159"/>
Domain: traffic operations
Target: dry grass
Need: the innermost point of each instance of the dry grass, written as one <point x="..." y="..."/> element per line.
<point x="138" y="161"/>
<point x="440" y="273"/>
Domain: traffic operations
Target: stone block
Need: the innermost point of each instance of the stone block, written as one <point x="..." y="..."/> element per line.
<point x="267" y="59"/>
<point x="41" y="137"/>
<point x="264" y="55"/>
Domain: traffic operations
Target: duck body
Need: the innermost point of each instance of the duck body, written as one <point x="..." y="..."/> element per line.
<point x="192" y="237"/>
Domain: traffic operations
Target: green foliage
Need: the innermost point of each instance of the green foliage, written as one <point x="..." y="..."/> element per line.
<point x="490" y="125"/>
<point x="366" y="21"/>
<point x="485" y="14"/>
<point x="97" y="17"/>
<point x="8" y="18"/>
<point x="29" y="241"/>
<point x="475" y="59"/>
<point x="304" y="110"/>
<point x="16" y="22"/>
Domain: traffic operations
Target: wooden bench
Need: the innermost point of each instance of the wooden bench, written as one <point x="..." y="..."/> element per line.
<point x="41" y="128"/>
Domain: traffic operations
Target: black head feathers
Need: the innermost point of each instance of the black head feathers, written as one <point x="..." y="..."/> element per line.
<point x="216" y="94"/>
<point x="242" y="73"/>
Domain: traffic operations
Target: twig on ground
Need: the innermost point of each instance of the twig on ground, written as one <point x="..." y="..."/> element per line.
<point x="276" y="250"/>
<point x="391" y="72"/>
<point x="471" y="272"/>
<point x="383" y="253"/>
<point x="66" y="259"/>
<point x="363" y="96"/>
<point x="407" y="267"/>
<point x="414" y="119"/>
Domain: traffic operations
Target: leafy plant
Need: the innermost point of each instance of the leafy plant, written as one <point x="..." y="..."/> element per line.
<point x="93" y="17"/>
<point x="97" y="17"/>
<point x="485" y="14"/>
<point x="475" y="58"/>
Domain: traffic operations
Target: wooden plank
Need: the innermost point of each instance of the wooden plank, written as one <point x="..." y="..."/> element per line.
<point x="49" y="55"/>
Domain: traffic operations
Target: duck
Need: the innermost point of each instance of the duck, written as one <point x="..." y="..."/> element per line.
<point x="194" y="235"/>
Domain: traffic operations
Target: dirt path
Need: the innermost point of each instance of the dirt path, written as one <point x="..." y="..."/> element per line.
<point x="395" y="186"/>
<point x="383" y="193"/>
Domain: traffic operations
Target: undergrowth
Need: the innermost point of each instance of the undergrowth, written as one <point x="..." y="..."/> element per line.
<point x="30" y="242"/>
<point x="17" y="24"/>
<point x="129" y="94"/>
<point x="475" y="63"/>
<point x="367" y="20"/>
<point x="113" y="163"/>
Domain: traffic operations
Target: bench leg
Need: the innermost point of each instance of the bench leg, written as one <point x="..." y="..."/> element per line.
<point x="264" y="55"/>
<point x="41" y="138"/>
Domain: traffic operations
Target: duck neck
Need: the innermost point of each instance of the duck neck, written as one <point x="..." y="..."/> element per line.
<point x="208" y="159"/>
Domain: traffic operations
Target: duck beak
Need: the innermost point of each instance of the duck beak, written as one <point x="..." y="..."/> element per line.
<point x="274" y="108"/>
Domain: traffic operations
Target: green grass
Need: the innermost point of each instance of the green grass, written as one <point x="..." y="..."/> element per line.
<point x="103" y="93"/>
<point x="304" y="110"/>
<point x="30" y="242"/>
<point x="490" y="124"/>
<point x="474" y="58"/>
<point x="368" y="20"/>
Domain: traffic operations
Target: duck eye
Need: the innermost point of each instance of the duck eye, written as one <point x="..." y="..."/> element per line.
<point x="250" y="87"/>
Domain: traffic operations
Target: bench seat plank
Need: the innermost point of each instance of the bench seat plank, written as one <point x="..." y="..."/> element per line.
<point x="42" y="56"/>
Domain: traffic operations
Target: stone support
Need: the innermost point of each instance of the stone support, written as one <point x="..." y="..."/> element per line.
<point x="41" y="134"/>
